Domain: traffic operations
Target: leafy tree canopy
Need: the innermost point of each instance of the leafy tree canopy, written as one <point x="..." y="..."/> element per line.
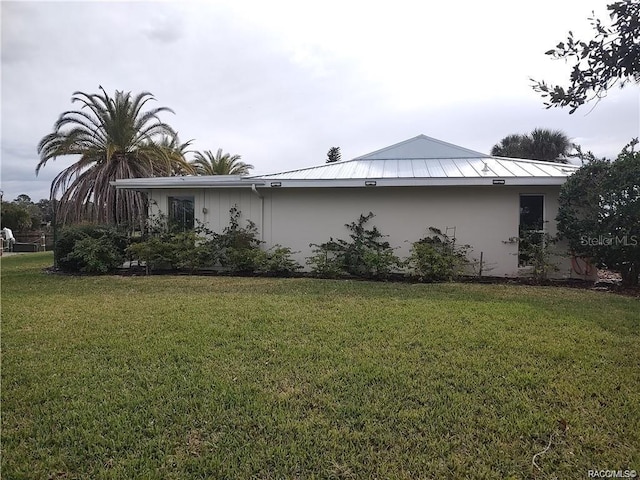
<point x="23" y="198"/>
<point x="22" y="214"/>
<point x="612" y="56"/>
<point x="599" y="213"/>
<point x="15" y="217"/>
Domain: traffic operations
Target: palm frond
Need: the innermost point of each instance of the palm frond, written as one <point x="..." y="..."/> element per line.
<point x="207" y="163"/>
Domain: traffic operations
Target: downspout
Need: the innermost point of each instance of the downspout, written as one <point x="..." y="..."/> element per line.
<point x="255" y="190"/>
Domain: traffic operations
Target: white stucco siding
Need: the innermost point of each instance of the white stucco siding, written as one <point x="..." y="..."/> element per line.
<point x="484" y="217"/>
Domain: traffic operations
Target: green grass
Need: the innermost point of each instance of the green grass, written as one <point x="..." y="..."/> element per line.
<point x="221" y="377"/>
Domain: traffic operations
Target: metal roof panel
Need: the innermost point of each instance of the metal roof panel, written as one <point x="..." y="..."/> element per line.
<point x="421" y="147"/>
<point x="405" y="168"/>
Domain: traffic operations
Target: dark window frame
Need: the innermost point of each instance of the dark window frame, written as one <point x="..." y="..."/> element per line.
<point x="530" y="223"/>
<point x="182" y="212"/>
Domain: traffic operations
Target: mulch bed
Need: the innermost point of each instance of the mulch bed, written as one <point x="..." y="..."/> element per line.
<point x="607" y="281"/>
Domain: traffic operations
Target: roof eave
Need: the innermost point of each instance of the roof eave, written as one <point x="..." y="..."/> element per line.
<point x="176" y="183"/>
<point x="415" y="182"/>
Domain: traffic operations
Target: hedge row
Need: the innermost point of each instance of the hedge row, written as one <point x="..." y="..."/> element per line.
<point x="366" y="254"/>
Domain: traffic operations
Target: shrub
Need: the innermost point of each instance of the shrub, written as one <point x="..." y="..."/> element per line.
<point x="187" y="251"/>
<point x="71" y="235"/>
<point x="437" y="257"/>
<point x="157" y="254"/>
<point x="599" y="213"/>
<point x="277" y="260"/>
<point x="535" y="251"/>
<point x="181" y="251"/>
<point x="365" y="255"/>
<point x="238" y="247"/>
<point x="325" y="262"/>
<point x="95" y="255"/>
<point x="241" y="260"/>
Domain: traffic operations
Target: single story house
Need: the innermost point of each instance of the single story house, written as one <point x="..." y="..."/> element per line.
<point x="410" y="186"/>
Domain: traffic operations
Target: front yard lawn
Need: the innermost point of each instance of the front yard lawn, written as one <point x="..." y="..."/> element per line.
<point x="173" y="377"/>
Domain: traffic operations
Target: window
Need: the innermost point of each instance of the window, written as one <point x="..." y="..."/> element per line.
<point x="531" y="230"/>
<point x="182" y="212"/>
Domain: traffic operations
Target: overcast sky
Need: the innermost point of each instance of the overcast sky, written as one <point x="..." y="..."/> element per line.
<point x="280" y="82"/>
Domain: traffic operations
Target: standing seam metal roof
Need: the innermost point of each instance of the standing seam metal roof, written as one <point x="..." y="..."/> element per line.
<point x="485" y="167"/>
<point x="418" y="161"/>
<point x="425" y="157"/>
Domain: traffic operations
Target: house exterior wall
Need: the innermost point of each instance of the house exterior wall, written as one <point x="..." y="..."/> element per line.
<point x="212" y="205"/>
<point x="484" y="217"/>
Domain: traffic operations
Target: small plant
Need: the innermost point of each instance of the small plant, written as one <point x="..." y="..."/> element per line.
<point x="535" y="252"/>
<point x="365" y="255"/>
<point x="324" y="261"/>
<point x="277" y="261"/>
<point x="239" y="247"/>
<point x="437" y="257"/>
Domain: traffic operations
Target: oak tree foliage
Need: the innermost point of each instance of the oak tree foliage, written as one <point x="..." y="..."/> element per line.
<point x="611" y="57"/>
<point x="599" y="213"/>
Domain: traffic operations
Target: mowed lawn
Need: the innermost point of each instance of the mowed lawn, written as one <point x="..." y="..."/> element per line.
<point x="191" y="377"/>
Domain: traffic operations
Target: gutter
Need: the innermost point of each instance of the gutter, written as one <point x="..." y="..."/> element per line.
<point x="261" y="197"/>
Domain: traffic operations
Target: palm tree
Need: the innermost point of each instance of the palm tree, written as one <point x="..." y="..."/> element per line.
<point x="207" y="163"/>
<point x="550" y="145"/>
<point x="514" y="146"/>
<point x="179" y="150"/>
<point x="540" y="144"/>
<point x="114" y="139"/>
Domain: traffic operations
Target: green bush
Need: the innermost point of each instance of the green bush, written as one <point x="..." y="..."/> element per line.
<point x="189" y="251"/>
<point x="365" y="255"/>
<point x="437" y="257"/>
<point x="236" y="249"/>
<point x="179" y="251"/>
<point x="95" y="255"/>
<point x="277" y="261"/>
<point x="324" y="261"/>
<point x="71" y="235"/>
<point x="155" y="253"/>
<point x="535" y="251"/>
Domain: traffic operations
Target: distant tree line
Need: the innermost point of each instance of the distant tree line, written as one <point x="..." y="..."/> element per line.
<point x="24" y="215"/>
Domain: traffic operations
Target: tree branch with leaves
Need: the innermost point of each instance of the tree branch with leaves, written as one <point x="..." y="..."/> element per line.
<point x="611" y="57"/>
